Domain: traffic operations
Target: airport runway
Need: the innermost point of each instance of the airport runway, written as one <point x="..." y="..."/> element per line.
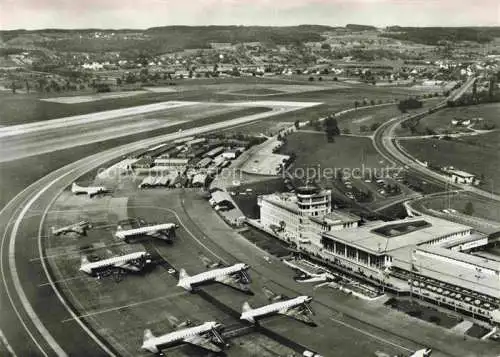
<point x="20" y="141"/>
<point x="29" y="327"/>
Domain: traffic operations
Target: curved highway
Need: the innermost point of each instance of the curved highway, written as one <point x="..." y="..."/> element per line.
<point x="385" y="142"/>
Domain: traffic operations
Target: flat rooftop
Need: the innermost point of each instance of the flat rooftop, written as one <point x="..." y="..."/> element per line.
<point x="335" y="217"/>
<point x="459" y="257"/>
<point x="284" y="200"/>
<point x="446" y="271"/>
<point x="382" y="237"/>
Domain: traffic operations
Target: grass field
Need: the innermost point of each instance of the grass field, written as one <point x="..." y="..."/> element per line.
<point x="26" y="108"/>
<point x="313" y="151"/>
<point x="465" y="155"/>
<point x="257" y="91"/>
<point x="440" y="121"/>
<point x="482" y="208"/>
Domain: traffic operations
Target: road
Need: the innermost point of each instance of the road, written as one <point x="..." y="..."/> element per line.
<point x="31" y="328"/>
<point x="385" y="142"/>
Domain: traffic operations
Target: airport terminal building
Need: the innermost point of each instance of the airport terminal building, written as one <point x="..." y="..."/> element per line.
<point x="428" y="256"/>
<point x="301" y="217"/>
<point x="431" y="256"/>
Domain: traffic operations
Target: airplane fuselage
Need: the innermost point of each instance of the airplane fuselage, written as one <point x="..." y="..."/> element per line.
<point x="125" y="261"/>
<point x="277" y="307"/>
<point x="123" y="234"/>
<point x="187" y="282"/>
<point x="153" y="343"/>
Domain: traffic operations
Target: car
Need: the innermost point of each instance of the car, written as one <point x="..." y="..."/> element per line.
<point x="171" y="271"/>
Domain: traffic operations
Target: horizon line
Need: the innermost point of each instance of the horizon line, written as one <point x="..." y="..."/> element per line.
<point x="237" y="25"/>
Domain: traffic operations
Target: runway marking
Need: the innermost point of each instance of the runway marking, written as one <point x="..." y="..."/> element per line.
<point x="134" y="304"/>
<point x="369" y="334"/>
<point x="54" y="288"/>
<point x="15" y="277"/>
<point x="3" y="339"/>
<point x="74" y="253"/>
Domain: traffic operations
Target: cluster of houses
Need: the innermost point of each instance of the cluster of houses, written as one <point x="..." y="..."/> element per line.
<point x="465" y="122"/>
<point x="186" y="162"/>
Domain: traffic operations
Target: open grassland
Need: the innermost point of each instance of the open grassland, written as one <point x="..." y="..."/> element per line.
<point x="468" y="155"/>
<point x="317" y="159"/>
<point x="482" y="208"/>
<point x="440" y="122"/>
<point x="367" y="117"/>
<point x="27" y="108"/>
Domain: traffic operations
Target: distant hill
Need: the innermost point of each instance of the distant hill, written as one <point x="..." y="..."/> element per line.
<point x="163" y="39"/>
<point x="354" y="27"/>
<point x="437" y="35"/>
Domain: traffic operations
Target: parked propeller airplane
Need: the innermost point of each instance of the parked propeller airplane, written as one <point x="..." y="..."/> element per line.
<point x="235" y="276"/>
<point x="425" y="352"/>
<point x="78" y="228"/>
<point x="133" y="262"/>
<point x="297" y="308"/>
<point x="164" y="231"/>
<point x="89" y="191"/>
<point x="201" y="336"/>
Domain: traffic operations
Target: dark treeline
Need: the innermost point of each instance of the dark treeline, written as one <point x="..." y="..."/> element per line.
<point x="437" y="35"/>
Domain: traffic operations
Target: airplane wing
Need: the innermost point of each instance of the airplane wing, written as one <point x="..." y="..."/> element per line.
<point x="202" y="342"/>
<point x="158" y="234"/>
<point x="298" y="313"/>
<point x="127" y="266"/>
<point x="271" y="296"/>
<point x="231" y="281"/>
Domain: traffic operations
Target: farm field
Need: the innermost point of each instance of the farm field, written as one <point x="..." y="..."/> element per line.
<point x="440" y="121"/>
<point x="467" y="155"/>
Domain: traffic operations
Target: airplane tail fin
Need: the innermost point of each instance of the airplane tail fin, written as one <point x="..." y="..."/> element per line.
<point x="246" y="306"/>
<point x="147" y="345"/>
<point x="148" y="335"/>
<point x="84" y="260"/>
<point x="183" y="274"/>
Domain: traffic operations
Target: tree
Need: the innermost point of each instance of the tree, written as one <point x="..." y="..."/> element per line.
<point x="331" y="128"/>
<point x="372" y="102"/>
<point x="363" y="128"/>
<point x="374" y="126"/>
<point x="14" y="87"/>
<point x="469" y="208"/>
<point x="297" y="124"/>
<point x="356" y="104"/>
<point x="311" y="79"/>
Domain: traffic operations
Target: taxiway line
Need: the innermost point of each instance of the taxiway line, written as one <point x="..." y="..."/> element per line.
<point x="134" y="304"/>
<point x="83" y="250"/>
<point x="56" y="290"/>
<point x="369" y="334"/>
<point x="3" y="339"/>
